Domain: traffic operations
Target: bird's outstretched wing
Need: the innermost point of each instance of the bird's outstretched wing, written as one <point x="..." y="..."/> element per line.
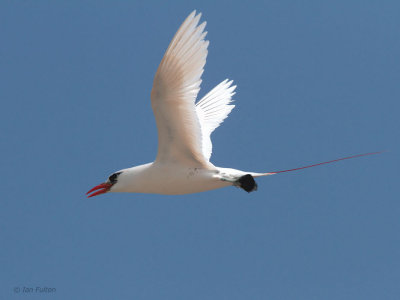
<point x="174" y="92"/>
<point x="212" y="110"/>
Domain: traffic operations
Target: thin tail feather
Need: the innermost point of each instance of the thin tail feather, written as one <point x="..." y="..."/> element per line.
<point x="322" y="163"/>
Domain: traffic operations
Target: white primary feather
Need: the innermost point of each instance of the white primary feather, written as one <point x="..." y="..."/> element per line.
<point x="212" y="110"/>
<point x="175" y="88"/>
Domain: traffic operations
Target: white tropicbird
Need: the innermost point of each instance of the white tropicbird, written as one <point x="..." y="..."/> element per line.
<point x="182" y="165"/>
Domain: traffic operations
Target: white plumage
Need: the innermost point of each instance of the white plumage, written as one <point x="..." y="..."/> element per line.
<point x="175" y="88"/>
<point x="184" y="145"/>
<point x="176" y="85"/>
<point x="183" y="162"/>
<point x="212" y="110"/>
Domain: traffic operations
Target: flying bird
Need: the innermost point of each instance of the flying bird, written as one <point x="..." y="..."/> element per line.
<point x="182" y="165"/>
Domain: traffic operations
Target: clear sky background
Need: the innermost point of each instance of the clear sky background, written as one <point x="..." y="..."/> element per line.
<point x="317" y="80"/>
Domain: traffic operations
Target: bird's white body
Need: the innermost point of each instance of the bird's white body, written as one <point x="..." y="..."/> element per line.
<point x="175" y="179"/>
<point x="172" y="179"/>
<point x="182" y="165"/>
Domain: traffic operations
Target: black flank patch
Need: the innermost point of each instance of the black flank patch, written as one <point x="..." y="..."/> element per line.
<point x="247" y="183"/>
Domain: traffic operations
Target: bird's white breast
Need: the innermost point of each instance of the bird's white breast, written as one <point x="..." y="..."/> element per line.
<point x="168" y="179"/>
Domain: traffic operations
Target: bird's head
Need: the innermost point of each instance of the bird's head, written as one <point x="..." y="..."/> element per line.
<point x="105" y="186"/>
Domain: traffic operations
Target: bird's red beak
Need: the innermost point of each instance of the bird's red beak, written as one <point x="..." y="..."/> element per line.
<point x="102" y="188"/>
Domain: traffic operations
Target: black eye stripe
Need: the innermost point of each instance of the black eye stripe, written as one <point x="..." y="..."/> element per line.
<point x="113" y="177"/>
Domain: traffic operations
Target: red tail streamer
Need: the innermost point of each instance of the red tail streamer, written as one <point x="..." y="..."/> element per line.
<point x="328" y="162"/>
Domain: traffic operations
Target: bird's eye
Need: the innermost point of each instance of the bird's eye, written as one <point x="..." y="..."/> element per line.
<point x="113" y="177"/>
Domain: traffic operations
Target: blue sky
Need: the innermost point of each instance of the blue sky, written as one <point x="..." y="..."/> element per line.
<point x="317" y="80"/>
